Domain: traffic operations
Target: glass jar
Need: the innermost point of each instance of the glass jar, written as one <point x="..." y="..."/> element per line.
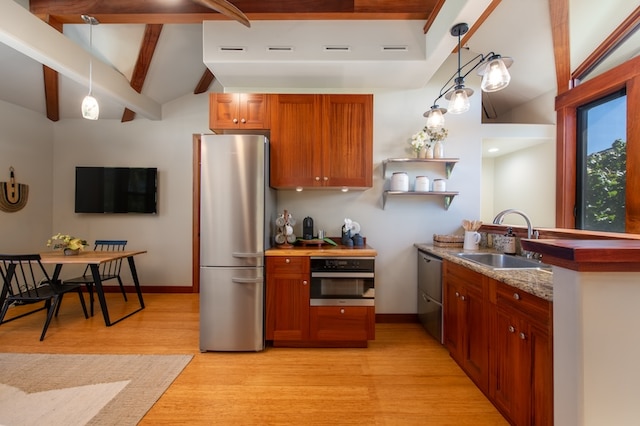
<point x="439" y="185"/>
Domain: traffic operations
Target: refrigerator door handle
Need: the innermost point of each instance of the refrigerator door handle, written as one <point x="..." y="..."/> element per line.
<point x="247" y="280"/>
<point x="246" y="255"/>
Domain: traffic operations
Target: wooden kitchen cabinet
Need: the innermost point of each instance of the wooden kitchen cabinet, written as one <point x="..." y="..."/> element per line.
<point x="347" y="323"/>
<point x="287" y="298"/>
<point x="234" y="111"/>
<point x="466" y="321"/>
<point x="522" y="360"/>
<point x="321" y="141"/>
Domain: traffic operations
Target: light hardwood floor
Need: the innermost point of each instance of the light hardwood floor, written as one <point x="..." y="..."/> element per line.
<point x="404" y="377"/>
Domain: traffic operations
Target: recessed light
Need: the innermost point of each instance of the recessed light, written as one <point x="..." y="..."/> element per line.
<point x="493" y="150"/>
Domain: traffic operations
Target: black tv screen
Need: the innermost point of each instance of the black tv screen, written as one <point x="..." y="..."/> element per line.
<point x="116" y="190"/>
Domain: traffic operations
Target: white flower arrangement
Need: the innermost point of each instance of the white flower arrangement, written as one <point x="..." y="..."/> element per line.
<point x="425" y="138"/>
<point x="63" y="241"/>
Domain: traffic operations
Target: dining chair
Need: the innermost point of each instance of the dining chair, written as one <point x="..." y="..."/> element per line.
<point x="25" y="281"/>
<point x="108" y="270"/>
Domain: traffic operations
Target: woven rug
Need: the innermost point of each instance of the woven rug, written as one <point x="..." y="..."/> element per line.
<point x="41" y="389"/>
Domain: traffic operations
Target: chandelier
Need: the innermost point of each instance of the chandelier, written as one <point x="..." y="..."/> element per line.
<point x="495" y="76"/>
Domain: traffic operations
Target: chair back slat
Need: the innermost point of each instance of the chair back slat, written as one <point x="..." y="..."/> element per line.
<point x="108" y="268"/>
<point x="24" y="276"/>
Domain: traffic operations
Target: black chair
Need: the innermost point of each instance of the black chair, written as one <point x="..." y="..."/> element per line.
<point x="108" y="270"/>
<point x="25" y="281"/>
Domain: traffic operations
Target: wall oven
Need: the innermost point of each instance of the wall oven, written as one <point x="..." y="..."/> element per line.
<point x="342" y="281"/>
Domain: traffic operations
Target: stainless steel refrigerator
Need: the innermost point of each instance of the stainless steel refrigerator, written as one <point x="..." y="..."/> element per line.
<point x="236" y="209"/>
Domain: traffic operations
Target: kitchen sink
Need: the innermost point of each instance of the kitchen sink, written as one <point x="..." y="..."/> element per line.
<point x="504" y="261"/>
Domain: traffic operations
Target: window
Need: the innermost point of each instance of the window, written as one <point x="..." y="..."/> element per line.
<point x="601" y="159"/>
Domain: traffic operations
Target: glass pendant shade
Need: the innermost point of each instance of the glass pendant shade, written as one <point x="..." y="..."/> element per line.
<point x="459" y="101"/>
<point x="435" y="118"/>
<point x="495" y="76"/>
<point x="90" y="108"/>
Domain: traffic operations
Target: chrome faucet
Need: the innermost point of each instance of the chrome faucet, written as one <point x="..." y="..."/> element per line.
<point x="530" y="232"/>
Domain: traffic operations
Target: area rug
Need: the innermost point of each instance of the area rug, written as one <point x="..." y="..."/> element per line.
<point x="41" y="389"/>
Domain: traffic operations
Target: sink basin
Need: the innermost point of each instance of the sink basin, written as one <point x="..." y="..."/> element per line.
<point x="504" y="261"/>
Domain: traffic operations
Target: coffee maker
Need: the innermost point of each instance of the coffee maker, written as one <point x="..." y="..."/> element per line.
<point x="307" y="228"/>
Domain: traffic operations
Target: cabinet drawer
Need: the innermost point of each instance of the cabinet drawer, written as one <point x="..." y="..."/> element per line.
<point x="524" y="302"/>
<point x="342" y="323"/>
<point x="288" y="265"/>
<point x="457" y="273"/>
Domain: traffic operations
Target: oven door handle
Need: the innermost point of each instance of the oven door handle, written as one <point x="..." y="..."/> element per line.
<point x="342" y="275"/>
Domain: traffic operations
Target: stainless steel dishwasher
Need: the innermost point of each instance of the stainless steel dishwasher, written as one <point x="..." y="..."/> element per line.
<point x="430" y="294"/>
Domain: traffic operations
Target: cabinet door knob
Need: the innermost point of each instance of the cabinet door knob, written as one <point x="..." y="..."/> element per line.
<point x="243" y="121"/>
<point x="304" y="282"/>
<point x="512" y="329"/>
<point x="342" y="311"/>
<point x="235" y="121"/>
<point x="287" y="260"/>
<point x="523" y="336"/>
<point x="457" y="294"/>
<point x="326" y="178"/>
<point x="516" y="296"/>
<point x="317" y="178"/>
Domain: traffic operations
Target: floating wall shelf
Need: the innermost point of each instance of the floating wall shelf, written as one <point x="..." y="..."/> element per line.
<point x="448" y="163"/>
<point x="448" y="196"/>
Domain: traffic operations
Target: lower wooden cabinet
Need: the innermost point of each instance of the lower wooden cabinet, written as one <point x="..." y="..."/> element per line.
<point x="291" y="321"/>
<point x="522" y="359"/>
<point x="342" y="323"/>
<point x="287" y="298"/>
<point x="465" y="323"/>
<point x="502" y="338"/>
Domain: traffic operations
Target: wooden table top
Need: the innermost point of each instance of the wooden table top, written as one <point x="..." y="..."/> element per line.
<point x="86" y="257"/>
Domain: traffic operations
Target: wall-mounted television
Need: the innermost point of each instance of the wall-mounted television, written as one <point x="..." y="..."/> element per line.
<point x="116" y="190"/>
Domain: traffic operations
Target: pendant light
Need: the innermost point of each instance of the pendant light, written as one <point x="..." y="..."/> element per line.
<point x="90" y="107"/>
<point x="495" y="76"/>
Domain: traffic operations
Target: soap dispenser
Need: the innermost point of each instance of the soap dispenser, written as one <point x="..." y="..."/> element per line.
<point x="509" y="242"/>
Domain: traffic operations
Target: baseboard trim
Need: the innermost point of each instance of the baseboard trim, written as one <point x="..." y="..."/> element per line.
<point x="149" y="289"/>
<point x="396" y="318"/>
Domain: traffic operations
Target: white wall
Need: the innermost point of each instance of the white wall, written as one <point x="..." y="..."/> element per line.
<point x="26" y="143"/>
<point x="525" y="180"/>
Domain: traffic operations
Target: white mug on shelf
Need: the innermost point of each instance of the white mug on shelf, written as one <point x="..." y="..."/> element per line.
<point x="471" y="240"/>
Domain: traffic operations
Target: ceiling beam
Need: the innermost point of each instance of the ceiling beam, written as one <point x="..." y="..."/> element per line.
<point x="204" y="83"/>
<point x="51" y="80"/>
<point x="559" y="14"/>
<point x="189" y="11"/>
<point x="145" y="55"/>
<point x="32" y="37"/>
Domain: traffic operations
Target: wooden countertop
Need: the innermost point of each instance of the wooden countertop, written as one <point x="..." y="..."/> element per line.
<point x="325" y="250"/>
<point x="588" y="255"/>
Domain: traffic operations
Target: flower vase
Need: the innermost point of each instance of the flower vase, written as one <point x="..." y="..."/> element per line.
<point x="423" y="152"/>
<point x="429" y="153"/>
<point x="438" y="150"/>
<point x="71" y="252"/>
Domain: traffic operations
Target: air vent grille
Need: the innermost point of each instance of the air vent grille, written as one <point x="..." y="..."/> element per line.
<point x="280" y="49"/>
<point x="395" y="48"/>
<point x="336" y="48"/>
<point x="232" y="49"/>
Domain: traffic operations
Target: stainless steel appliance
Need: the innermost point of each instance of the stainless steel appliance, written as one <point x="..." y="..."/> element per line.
<point x="343" y="281"/>
<point x="430" y="294"/>
<point x="236" y="210"/>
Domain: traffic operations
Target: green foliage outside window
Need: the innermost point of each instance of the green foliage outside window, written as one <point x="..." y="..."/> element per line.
<point x="605" y="189"/>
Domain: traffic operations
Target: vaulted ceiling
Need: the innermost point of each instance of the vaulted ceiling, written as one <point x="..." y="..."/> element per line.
<point x="149" y="53"/>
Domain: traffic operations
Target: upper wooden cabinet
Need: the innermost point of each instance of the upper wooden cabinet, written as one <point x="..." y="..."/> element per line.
<point x="321" y="141"/>
<point x="248" y="111"/>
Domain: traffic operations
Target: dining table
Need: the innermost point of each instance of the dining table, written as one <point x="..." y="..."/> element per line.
<point x="94" y="259"/>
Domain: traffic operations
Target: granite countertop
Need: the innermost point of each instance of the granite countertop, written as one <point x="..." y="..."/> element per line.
<point x="536" y="282"/>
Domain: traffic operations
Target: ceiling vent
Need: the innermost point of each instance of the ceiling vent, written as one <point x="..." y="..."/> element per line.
<point x="233" y="49"/>
<point x="336" y="48"/>
<point x="395" y="48"/>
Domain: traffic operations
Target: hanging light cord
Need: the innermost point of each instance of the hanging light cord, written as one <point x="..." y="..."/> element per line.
<point x="90" y="57"/>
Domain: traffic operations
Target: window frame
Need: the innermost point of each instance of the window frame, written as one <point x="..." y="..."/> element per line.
<point x="625" y="76"/>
